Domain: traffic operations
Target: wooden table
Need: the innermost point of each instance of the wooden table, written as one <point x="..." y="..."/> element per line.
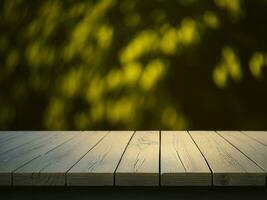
<point x="133" y="158"/>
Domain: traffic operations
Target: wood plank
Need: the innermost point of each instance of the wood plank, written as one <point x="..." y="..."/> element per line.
<point x="260" y="136"/>
<point x="182" y="164"/>
<point x="50" y="168"/>
<point x="7" y="135"/>
<point x="229" y="166"/>
<point x="97" y="167"/>
<point x="19" y="139"/>
<point x="250" y="147"/>
<point x="140" y="163"/>
<point x="18" y="157"/>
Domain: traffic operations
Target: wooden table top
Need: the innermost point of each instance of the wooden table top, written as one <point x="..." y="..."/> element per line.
<point x="133" y="158"/>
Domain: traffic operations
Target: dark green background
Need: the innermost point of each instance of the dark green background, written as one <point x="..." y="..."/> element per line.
<point x="133" y="64"/>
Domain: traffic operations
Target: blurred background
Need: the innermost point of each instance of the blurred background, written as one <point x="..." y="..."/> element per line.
<point x="133" y="64"/>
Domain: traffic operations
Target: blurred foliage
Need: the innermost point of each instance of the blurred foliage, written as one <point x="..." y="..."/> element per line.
<point x="133" y="64"/>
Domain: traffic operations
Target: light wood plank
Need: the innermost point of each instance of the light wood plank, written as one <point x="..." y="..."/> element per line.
<point x="97" y="167"/>
<point x="181" y="162"/>
<point x="19" y="139"/>
<point x="17" y="157"/>
<point x="229" y="165"/>
<point x="50" y="168"/>
<point x="251" y="148"/>
<point x="7" y="135"/>
<point x="140" y="162"/>
<point x="260" y="136"/>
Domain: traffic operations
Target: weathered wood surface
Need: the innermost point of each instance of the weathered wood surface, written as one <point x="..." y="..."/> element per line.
<point x="260" y="136"/>
<point x="50" y="168"/>
<point x="181" y="161"/>
<point x="229" y="166"/>
<point x="18" y="139"/>
<point x="97" y="167"/>
<point x="7" y="135"/>
<point x="140" y="162"/>
<point x="254" y="150"/>
<point x="12" y="160"/>
<point x="133" y="158"/>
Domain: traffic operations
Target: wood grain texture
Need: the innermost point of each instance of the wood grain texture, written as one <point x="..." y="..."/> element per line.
<point x="97" y="167"/>
<point x="6" y="135"/>
<point x="20" y="138"/>
<point x="99" y="158"/>
<point x="229" y="166"/>
<point x="181" y="162"/>
<point x="260" y="136"/>
<point x="251" y="148"/>
<point x="18" y="157"/>
<point x="50" y="168"/>
<point x="140" y="163"/>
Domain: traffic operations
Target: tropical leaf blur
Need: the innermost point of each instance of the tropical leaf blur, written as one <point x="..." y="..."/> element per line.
<point x="133" y="64"/>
